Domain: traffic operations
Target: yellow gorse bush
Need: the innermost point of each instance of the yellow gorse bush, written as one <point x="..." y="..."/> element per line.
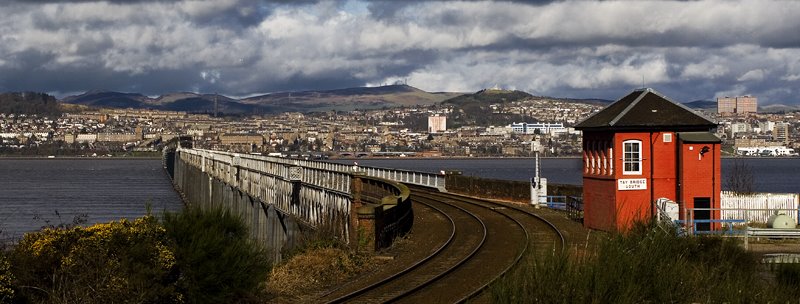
<point x="6" y="279"/>
<point x="118" y="261"/>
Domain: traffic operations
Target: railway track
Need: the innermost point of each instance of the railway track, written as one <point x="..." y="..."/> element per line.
<point x="477" y="241"/>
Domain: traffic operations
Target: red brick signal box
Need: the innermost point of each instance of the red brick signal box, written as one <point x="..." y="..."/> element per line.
<point x="644" y="147"/>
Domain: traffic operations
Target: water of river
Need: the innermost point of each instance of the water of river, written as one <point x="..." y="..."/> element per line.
<point x="38" y="192"/>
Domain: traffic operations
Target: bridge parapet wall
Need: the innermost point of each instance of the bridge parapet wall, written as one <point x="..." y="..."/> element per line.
<point x="321" y="194"/>
<point x="384" y="209"/>
<point x="432" y="180"/>
<point x="263" y="190"/>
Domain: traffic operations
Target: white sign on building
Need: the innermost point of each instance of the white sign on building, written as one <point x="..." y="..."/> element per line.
<point x="632" y="184"/>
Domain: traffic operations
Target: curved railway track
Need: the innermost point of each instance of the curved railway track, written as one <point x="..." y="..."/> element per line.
<point x="478" y="242"/>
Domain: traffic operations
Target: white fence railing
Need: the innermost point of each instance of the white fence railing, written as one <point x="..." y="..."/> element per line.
<point x="320" y="171"/>
<point x="758" y="207"/>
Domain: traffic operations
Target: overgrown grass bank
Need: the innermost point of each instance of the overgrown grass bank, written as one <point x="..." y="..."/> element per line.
<point x="192" y="257"/>
<point x="651" y="264"/>
<point x="321" y="260"/>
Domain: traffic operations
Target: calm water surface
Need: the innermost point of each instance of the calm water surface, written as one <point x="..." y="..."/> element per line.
<point x="37" y="192"/>
<point x="776" y="175"/>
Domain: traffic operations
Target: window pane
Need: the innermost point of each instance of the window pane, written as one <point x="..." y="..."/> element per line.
<point x="632" y="157"/>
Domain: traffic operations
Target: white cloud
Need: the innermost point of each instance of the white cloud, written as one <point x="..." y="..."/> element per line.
<point x="752" y="75"/>
<point x="736" y="90"/>
<point x="793" y="77"/>
<point x="704" y="70"/>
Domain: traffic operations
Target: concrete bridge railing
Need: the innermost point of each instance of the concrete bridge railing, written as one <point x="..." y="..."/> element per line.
<point x="384" y="209"/>
<point x="433" y="180"/>
<point x="278" y="197"/>
<point x="426" y="179"/>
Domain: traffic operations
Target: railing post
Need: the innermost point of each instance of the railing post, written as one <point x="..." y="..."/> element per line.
<point x="296" y="178"/>
<point x="359" y="215"/>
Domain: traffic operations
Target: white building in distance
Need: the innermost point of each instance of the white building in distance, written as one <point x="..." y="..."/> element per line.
<point x="437" y="123"/>
<point x="543" y="128"/>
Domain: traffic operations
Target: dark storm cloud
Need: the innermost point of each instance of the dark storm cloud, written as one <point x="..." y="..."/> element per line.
<point x="686" y="49"/>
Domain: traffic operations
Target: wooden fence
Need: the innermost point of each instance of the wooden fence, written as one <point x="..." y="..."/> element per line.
<point x="758" y="207"/>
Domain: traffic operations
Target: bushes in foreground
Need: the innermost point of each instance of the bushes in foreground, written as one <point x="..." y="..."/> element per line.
<point x="193" y="257"/>
<point x="102" y="263"/>
<point x="650" y="264"/>
<point x="218" y="261"/>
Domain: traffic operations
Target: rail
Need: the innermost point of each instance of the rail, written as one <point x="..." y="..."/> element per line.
<point x="769" y="233"/>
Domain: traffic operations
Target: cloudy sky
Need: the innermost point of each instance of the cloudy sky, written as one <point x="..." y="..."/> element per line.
<point x="688" y="50"/>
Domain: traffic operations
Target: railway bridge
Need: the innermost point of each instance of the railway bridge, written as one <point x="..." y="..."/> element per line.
<point x="462" y="244"/>
<point x="279" y="198"/>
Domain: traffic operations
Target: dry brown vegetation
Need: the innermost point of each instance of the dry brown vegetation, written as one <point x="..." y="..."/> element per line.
<point x="306" y="273"/>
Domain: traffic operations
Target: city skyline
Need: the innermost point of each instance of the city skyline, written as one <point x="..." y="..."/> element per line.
<point x="697" y="50"/>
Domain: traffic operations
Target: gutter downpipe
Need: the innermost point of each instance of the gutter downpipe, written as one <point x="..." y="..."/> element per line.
<point x="652" y="182"/>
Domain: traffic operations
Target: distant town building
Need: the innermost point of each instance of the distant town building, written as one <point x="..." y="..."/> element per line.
<point x="741" y="104"/>
<point x="780" y="132"/>
<point x="118" y="137"/>
<point x="246" y="140"/>
<point x="69" y="138"/>
<point x="537" y="128"/>
<point x="90" y="138"/>
<point x="766" y="126"/>
<point x="739" y="127"/>
<point x="726" y="105"/>
<point x="746" y="104"/>
<point x="437" y="123"/>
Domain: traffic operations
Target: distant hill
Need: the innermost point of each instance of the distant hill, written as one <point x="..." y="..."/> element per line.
<point x="106" y="99"/>
<point x="29" y="103"/>
<point x="189" y="102"/>
<point x="306" y="101"/>
<point x="350" y="98"/>
<point x="701" y="104"/>
<point x="477" y="109"/>
<point x="488" y="96"/>
<point x="778" y="108"/>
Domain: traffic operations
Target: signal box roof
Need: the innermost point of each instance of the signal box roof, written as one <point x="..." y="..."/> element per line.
<point x="646" y="109"/>
<point x="699" y="137"/>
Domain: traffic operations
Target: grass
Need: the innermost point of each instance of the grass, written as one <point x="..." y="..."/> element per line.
<point x="650" y="264"/>
<point x="322" y="259"/>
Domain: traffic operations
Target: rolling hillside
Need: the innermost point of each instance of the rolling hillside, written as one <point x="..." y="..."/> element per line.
<point x="306" y="101"/>
<point x="350" y="98"/>
<point x="476" y="109"/>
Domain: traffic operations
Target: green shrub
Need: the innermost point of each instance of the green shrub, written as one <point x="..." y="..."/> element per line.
<point x="217" y="261"/>
<point x="651" y="264"/>
<point x="116" y="262"/>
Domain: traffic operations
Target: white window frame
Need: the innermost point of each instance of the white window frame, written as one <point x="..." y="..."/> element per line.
<point x="626" y="160"/>
<point x="667" y="137"/>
